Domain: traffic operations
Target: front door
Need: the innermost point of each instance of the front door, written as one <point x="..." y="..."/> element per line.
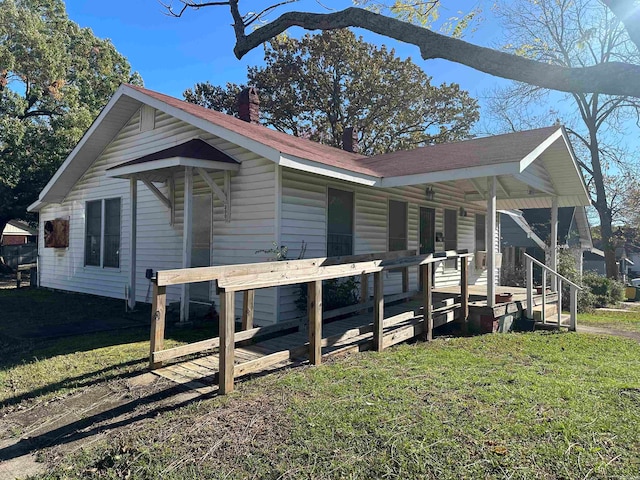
<point x="201" y="244"/>
<point x="427" y="233"/>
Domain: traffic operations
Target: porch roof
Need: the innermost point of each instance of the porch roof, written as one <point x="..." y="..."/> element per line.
<point x="159" y="165"/>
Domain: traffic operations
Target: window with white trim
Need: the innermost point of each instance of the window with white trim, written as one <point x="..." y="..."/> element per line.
<point x="451" y="235"/>
<point x="481" y="236"/>
<point x="102" y="233"/>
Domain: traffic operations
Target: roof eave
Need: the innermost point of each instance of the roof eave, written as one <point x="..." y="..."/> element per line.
<point x="466" y="173"/>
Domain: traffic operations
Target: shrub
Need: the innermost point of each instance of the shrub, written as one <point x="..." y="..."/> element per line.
<point x="336" y="293"/>
<point x="605" y="290"/>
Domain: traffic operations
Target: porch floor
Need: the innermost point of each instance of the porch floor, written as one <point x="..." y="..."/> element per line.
<point x="402" y="322"/>
<point x="478" y="293"/>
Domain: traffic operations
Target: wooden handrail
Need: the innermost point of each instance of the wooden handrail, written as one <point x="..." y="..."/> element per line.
<point x="248" y="277"/>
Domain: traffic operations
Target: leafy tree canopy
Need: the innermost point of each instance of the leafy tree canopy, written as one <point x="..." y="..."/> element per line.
<point x="321" y="84"/>
<point x="54" y="79"/>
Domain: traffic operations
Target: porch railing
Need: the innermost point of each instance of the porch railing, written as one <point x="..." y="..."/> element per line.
<point x="556" y="280"/>
<point x="246" y="278"/>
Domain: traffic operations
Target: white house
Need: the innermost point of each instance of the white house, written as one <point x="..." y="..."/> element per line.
<point x="158" y="183"/>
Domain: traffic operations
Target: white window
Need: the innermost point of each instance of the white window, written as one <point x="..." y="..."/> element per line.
<point x="397" y="225"/>
<point x="102" y="233"/>
<point x="339" y="223"/>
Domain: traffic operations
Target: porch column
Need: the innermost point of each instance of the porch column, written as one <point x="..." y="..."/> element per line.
<point x="491" y="241"/>
<point x="186" y="240"/>
<point x="554" y="241"/>
<point x="133" y="233"/>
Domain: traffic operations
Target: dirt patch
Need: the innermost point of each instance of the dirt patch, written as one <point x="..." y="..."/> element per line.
<point x="37" y="436"/>
<point x="608" y="331"/>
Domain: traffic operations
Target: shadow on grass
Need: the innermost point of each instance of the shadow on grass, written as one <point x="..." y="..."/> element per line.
<point x="37" y="325"/>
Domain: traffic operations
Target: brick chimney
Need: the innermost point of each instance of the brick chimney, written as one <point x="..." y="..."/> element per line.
<point x="248" y="103"/>
<point x="350" y="140"/>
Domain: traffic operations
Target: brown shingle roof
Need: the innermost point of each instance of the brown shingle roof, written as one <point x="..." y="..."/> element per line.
<point x="284" y="143"/>
<point x="497" y="149"/>
<point x="510" y="147"/>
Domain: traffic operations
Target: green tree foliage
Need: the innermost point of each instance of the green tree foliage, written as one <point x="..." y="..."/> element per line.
<point x="319" y="85"/>
<point x="54" y="79"/>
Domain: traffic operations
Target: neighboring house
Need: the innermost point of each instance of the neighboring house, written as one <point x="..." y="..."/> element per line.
<point x="18" y="233"/>
<point x="158" y="183"/>
<point x="529" y="231"/>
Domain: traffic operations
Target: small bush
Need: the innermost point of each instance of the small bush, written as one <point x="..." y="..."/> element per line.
<point x="513" y="276"/>
<point x="336" y="293"/>
<point x="605" y="290"/>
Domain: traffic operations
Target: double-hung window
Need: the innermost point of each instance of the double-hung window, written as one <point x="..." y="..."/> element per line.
<point x="397" y="231"/>
<point x="102" y="233"/>
<point x="339" y="223"/>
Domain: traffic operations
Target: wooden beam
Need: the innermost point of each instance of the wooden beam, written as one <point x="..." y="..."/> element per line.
<point x="227" y="342"/>
<point x="212" y="185"/>
<point x="464" y="294"/>
<point x="481" y="192"/>
<point x="405" y="279"/>
<point x="159" y="195"/>
<point x="554" y="242"/>
<point x="158" y="312"/>
<point x="247" y="309"/>
<point x="200" y="274"/>
<point x="378" y="310"/>
<point x="535" y="182"/>
<point x="427" y="300"/>
<point x="364" y="290"/>
<point x="502" y="187"/>
<point x="187" y="233"/>
<point x="133" y="232"/>
<point x="314" y="298"/>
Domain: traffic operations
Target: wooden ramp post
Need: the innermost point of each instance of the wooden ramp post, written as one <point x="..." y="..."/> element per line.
<point x="464" y="295"/>
<point x="247" y="309"/>
<point x="364" y="290"/>
<point x="314" y="303"/>
<point x="158" y="312"/>
<point x="227" y="341"/>
<point x="427" y="301"/>
<point x="378" y="311"/>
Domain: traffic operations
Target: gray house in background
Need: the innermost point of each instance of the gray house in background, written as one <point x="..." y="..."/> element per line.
<point x="528" y="231"/>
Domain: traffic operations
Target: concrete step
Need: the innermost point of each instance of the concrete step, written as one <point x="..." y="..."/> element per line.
<point x="551" y="312"/>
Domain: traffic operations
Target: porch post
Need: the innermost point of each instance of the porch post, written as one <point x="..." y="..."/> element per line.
<point x="554" y="241"/>
<point x="133" y="233"/>
<point x="186" y="240"/>
<point x="491" y="241"/>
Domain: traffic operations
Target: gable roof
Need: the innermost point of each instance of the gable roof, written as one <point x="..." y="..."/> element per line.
<point x="508" y="154"/>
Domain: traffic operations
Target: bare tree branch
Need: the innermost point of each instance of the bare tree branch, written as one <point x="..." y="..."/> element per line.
<point x="628" y="13"/>
<point x="616" y="78"/>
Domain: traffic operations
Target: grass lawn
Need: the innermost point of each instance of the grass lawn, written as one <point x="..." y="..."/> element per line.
<point x="36" y="366"/>
<point x="627" y="321"/>
<point x="537" y="405"/>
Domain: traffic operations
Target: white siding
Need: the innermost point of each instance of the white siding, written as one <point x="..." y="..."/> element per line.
<point x="304" y="217"/>
<point x="159" y="244"/>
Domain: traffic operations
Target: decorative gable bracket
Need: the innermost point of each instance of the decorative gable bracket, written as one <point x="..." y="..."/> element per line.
<point x="223" y="195"/>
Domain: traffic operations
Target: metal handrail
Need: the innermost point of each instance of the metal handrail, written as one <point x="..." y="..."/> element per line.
<point x="550" y="270"/>
<point x="573" y="302"/>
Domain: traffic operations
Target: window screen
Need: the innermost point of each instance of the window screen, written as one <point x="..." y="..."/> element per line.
<point x="339" y="223"/>
<point x="93" y="236"/>
<point x="397" y="225"/>
<point x="481" y="237"/>
<point x="451" y="235"/>
<point x="112" y="233"/>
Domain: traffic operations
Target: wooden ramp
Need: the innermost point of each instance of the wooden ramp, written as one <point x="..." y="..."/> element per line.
<point x="402" y="322"/>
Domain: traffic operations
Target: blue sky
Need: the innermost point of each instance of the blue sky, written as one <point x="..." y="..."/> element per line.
<point x="172" y="54"/>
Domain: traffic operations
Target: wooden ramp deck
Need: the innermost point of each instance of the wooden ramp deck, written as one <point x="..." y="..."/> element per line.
<point x="402" y="322"/>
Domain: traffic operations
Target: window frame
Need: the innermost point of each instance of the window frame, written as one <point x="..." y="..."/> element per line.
<point x="484" y="231"/>
<point x="406" y="224"/>
<point x="450" y="264"/>
<point x="103" y="208"/>
<point x="353" y="218"/>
